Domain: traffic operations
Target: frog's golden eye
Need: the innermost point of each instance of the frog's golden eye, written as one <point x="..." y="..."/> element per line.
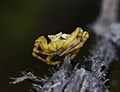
<point x="60" y="44"/>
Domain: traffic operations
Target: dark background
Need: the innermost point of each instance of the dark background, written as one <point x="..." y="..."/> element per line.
<point x="22" y="21"/>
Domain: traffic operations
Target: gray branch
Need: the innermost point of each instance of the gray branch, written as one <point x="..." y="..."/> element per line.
<point x="90" y="77"/>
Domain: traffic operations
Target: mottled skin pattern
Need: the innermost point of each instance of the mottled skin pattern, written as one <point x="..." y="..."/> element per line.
<point x="59" y="45"/>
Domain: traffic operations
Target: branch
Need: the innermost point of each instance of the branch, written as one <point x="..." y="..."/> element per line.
<point x="107" y="24"/>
